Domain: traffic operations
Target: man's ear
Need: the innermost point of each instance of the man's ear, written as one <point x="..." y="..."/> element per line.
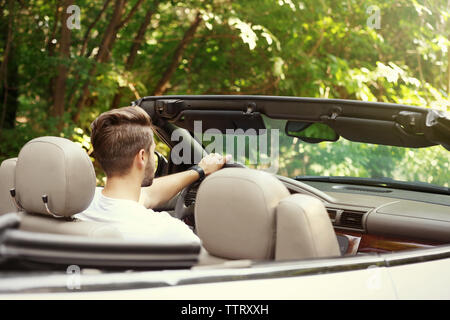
<point x="140" y="158"/>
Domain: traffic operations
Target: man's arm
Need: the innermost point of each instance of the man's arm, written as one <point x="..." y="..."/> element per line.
<point x="165" y="188"/>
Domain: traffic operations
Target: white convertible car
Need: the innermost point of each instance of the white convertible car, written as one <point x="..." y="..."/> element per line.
<point x="351" y="201"/>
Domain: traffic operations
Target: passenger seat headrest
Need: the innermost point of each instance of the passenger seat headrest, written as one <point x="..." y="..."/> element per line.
<point x="58" y="168"/>
<point x="250" y="214"/>
<point x="235" y="213"/>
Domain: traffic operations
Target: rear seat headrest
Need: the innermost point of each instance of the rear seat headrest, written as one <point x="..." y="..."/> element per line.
<point x="7" y="170"/>
<point x="58" y="168"/>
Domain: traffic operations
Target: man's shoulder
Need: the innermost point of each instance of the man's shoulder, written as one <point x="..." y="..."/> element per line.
<point x="133" y="220"/>
<point x="97" y="194"/>
<point x="96" y="198"/>
<point x="85" y="214"/>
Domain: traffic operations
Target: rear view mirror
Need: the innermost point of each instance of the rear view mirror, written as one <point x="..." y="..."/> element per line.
<point x="312" y="132"/>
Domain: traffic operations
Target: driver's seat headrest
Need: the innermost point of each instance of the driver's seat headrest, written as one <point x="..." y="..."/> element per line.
<point x="58" y="168"/>
<point x="249" y="214"/>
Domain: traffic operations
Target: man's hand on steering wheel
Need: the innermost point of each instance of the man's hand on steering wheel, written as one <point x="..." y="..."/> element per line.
<point x="208" y="164"/>
<point x="213" y="162"/>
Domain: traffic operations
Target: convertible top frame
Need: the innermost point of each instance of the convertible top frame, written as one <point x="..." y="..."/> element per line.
<point x="383" y="123"/>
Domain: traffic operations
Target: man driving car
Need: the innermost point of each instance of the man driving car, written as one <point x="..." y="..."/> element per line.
<point x="123" y="145"/>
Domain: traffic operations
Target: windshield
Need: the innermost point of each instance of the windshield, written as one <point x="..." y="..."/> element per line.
<point x="291" y="157"/>
<point x="362" y="160"/>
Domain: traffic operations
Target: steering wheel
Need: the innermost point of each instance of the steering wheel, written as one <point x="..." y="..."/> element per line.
<point x="185" y="205"/>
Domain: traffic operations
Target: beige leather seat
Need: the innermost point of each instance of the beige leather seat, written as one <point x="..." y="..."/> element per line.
<point x="60" y="170"/>
<point x="249" y="214"/>
<point x="7" y="171"/>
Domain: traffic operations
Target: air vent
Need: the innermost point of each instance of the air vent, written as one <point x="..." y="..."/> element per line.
<point x="367" y="190"/>
<point x="352" y="219"/>
<point x="332" y="213"/>
<point x="189" y="199"/>
<point x="362" y="189"/>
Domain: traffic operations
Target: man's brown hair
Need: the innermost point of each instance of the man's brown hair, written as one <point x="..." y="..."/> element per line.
<point x="118" y="135"/>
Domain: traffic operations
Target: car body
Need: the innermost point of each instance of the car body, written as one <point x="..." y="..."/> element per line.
<point x="394" y="235"/>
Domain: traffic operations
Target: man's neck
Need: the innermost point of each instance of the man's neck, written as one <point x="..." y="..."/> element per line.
<point x="125" y="187"/>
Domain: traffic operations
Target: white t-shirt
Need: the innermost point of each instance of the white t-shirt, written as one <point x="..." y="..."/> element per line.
<point x="134" y="221"/>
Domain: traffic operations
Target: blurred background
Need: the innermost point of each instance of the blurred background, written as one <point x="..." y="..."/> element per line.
<point x="63" y="62"/>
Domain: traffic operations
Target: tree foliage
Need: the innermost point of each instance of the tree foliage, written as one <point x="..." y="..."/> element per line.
<point x="55" y="81"/>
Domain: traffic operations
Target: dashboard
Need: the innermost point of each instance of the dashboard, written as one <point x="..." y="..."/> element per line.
<point x="377" y="219"/>
<point x="373" y="219"/>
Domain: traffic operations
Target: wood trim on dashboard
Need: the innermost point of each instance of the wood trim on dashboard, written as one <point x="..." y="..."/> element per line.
<point x="365" y="243"/>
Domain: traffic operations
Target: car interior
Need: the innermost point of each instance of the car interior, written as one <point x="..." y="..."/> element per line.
<point x="53" y="178"/>
<point x="238" y="213"/>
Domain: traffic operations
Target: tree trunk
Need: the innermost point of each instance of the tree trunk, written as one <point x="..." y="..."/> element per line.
<point x="9" y="93"/>
<point x="448" y="72"/>
<point x="59" y="87"/>
<point x="8" y="75"/>
<point x="105" y="48"/>
<point x="83" y="49"/>
<point x="50" y="45"/>
<point x="91" y="26"/>
<point x="448" y="56"/>
<point x="130" y="14"/>
<point x="164" y="82"/>
<point x="110" y="33"/>
<point x="102" y="55"/>
<point x="137" y="42"/>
